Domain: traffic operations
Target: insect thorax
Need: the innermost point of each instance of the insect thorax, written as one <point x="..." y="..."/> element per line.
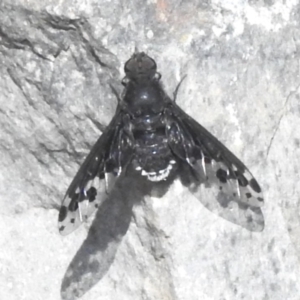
<point x="146" y="104"/>
<point x="144" y="98"/>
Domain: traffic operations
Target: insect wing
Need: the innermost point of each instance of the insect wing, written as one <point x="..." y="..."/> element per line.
<point x="239" y="196"/>
<point x="105" y="163"/>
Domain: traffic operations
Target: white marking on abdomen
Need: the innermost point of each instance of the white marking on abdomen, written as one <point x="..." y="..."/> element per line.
<point x="158" y="176"/>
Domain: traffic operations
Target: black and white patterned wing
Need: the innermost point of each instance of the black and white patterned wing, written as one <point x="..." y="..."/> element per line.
<point x="105" y="163"/>
<point x="238" y="194"/>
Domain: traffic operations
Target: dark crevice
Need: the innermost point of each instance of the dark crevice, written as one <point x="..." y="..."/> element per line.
<point x="280" y="119"/>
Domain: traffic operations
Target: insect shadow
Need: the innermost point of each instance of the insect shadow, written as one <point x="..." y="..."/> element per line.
<point x="97" y="253"/>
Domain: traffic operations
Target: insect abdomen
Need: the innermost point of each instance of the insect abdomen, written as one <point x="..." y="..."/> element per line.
<point x="153" y="156"/>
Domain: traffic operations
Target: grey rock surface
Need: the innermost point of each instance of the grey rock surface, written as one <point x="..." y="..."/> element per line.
<point x="57" y="59"/>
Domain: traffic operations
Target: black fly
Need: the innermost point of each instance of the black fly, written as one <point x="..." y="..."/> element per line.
<point x="154" y="135"/>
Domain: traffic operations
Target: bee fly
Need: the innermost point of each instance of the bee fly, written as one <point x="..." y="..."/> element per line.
<point x="151" y="133"/>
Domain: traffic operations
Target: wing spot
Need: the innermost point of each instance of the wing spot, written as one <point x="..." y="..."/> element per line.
<point x="241" y="179"/>
<point x="222" y="175"/>
<point x="234" y="194"/>
<point x="72" y="220"/>
<point x="260" y="199"/>
<point x="96" y="205"/>
<point x="62" y="213"/>
<point x="250" y="219"/>
<point x="248" y="195"/>
<point x="73" y="206"/>
<point x="253" y="183"/>
<point x="91" y="194"/>
<point x="61" y="228"/>
<point x="220" y="188"/>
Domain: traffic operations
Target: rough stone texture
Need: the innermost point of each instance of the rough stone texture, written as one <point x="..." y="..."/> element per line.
<point x="56" y="60"/>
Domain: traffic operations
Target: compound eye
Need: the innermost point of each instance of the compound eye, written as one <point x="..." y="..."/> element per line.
<point x="145" y="62"/>
<point x="140" y="65"/>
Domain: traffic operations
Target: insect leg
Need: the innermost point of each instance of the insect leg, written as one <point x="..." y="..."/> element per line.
<point x="177" y="88"/>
